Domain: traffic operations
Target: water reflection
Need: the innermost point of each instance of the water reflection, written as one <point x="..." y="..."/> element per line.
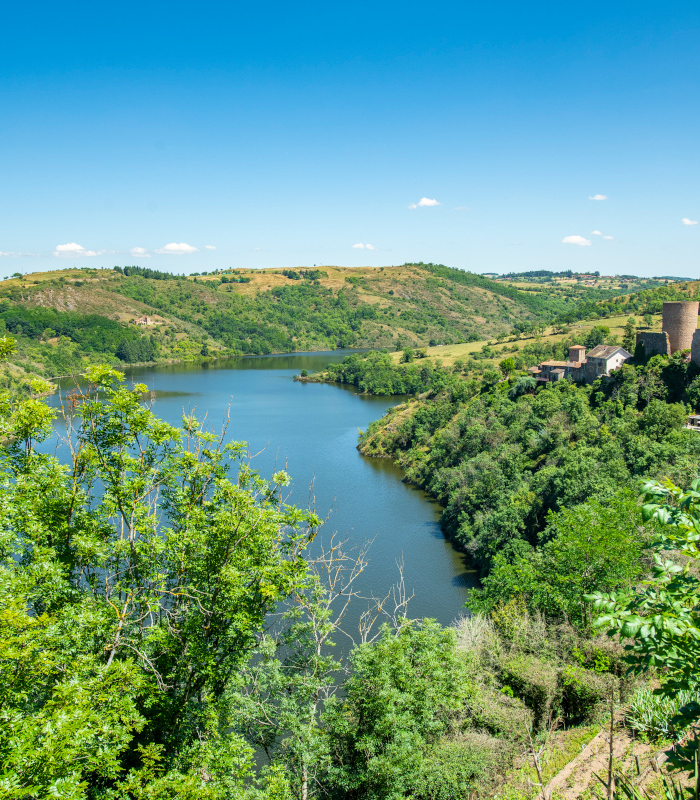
<point x="311" y="430"/>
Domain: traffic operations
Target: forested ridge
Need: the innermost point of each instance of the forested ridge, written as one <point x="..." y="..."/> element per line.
<point x="62" y="321"/>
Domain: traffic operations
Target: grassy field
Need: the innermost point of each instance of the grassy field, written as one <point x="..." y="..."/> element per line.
<point x="448" y="354"/>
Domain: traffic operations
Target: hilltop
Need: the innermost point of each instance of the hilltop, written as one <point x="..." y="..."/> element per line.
<point x="62" y="319"/>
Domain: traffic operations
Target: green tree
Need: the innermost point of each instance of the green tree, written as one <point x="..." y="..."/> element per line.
<point x="406" y="691"/>
<point x="593" y="546"/>
<point x="507" y="366"/>
<point x="135" y="584"/>
<point x="661" y="619"/>
<point x="597" y="336"/>
<point x="629" y="336"/>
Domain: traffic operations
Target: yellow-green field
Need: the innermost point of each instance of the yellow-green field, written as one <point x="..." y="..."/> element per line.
<point x="448" y="354"/>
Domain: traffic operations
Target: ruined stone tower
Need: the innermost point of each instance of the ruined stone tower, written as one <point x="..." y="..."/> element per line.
<point x="679" y="321"/>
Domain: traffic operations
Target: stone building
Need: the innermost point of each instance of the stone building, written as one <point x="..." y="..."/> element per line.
<point x="581" y="367"/>
<point x="680" y="321"/>
<point x="654" y="344"/>
<point x="602" y="360"/>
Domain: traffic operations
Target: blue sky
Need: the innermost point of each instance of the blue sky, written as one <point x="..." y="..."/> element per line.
<point x="285" y="135"/>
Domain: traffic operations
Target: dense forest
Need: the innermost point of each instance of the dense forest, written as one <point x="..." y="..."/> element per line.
<point x="502" y="457"/>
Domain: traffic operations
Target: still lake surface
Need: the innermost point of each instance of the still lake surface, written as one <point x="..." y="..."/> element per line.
<point x="311" y="431"/>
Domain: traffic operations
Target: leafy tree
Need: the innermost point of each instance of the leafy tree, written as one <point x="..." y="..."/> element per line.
<point x="507" y="366"/>
<point x="597" y="336"/>
<point x="661" y="620"/>
<point x="135" y="583"/>
<point x="629" y="336"/>
<point x="589" y="547"/>
<point x="405" y="692"/>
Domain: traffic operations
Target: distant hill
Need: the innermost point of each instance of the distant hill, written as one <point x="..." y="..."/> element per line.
<point x="65" y="318"/>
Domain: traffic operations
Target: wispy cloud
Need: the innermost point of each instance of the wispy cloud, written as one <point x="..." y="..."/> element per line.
<point x="209" y="247"/>
<point x="177" y="249"/>
<point x="579" y="240"/>
<point x="607" y="237"/>
<point x="687" y="221"/>
<point x="360" y="246"/>
<point x="139" y="252"/>
<point x="424" y="202"/>
<point x="462" y="208"/>
<point x="600" y="233"/>
<point x="598" y="197"/>
<point x="15" y="255"/>
<point x="74" y="250"/>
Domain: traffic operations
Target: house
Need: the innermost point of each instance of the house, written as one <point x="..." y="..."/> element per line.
<point x="581" y="367"/>
<point x="556" y="370"/>
<point x="693" y="423"/>
<point x="147" y="321"/>
<point x="602" y="360"/>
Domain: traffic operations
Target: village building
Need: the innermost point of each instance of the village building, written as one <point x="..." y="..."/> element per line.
<point x="581" y="366"/>
<point x="602" y="360"/>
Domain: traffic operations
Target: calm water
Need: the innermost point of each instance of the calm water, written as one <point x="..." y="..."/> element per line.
<point x="311" y="431"/>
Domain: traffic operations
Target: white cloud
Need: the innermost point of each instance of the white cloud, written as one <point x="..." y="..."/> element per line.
<point x="74" y="250"/>
<point x="360" y="246"/>
<point x="209" y="247"/>
<point x="139" y="252"/>
<point x="15" y="255"/>
<point x="579" y="240"/>
<point x="177" y="249"/>
<point x="597" y="233"/>
<point x="687" y="221"/>
<point x="598" y="197"/>
<point x="424" y="202"/>
<point x="607" y="237"/>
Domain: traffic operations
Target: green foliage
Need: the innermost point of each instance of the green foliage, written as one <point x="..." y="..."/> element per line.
<point x="145" y="272"/>
<point x="135" y="584"/>
<point x="377" y="373"/>
<point x="452" y="768"/>
<point x="661" y="620"/>
<point x="92" y="332"/>
<point x="654" y="714"/>
<point x="592" y="546"/>
<point x="403" y="694"/>
<point x="507" y="366"/>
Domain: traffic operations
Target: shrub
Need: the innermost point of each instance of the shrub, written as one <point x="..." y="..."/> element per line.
<point x="501" y="715"/>
<point x="653" y="714"/>
<point x="452" y="767"/>
<point x="535" y="681"/>
<point x="581" y="691"/>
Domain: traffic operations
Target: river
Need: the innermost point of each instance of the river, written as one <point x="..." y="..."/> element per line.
<point x="311" y="430"/>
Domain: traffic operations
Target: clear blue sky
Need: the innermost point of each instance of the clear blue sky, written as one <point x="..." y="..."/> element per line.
<point x="284" y="134"/>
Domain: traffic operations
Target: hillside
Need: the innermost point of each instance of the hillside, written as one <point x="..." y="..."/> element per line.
<point x="64" y="319"/>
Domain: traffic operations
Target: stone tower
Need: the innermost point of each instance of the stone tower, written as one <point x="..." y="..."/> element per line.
<point x="679" y="321"/>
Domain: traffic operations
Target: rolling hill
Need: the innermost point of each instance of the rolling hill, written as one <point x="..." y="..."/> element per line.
<point x="63" y="319"/>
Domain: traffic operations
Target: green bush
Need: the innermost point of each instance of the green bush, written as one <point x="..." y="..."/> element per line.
<point x="652" y="714"/>
<point x="581" y="691"/>
<point x="501" y="715"/>
<point x="533" y="680"/>
<point x="450" y="770"/>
